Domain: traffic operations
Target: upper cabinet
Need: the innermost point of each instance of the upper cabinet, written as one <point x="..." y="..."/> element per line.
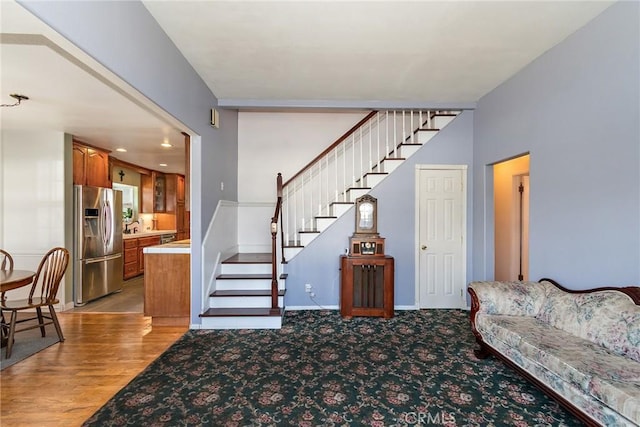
<point x="154" y="192"/>
<point x="90" y="166"/>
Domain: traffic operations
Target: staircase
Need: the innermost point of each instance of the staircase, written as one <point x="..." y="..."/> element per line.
<point x="362" y="161"/>
<point x="242" y="298"/>
<point x="249" y="291"/>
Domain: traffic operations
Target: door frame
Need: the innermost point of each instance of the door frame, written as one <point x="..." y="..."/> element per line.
<point x="465" y="193"/>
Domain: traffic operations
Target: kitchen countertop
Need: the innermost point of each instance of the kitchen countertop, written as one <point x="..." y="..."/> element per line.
<point x="147" y="234"/>
<point x="177" y="247"/>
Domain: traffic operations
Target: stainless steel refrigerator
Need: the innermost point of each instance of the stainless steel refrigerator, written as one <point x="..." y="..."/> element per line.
<point x="97" y="243"/>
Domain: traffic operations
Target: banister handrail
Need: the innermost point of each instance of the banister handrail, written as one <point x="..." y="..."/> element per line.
<point x="274" y="233"/>
<point x="346" y="135"/>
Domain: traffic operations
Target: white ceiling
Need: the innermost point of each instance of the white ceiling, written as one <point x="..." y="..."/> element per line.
<point x="416" y="51"/>
<point x="257" y="53"/>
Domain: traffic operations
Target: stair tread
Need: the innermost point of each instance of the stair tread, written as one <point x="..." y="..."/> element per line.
<point x="249" y="258"/>
<point x="428" y="130"/>
<point x="359" y="188"/>
<point x="241" y="276"/>
<point x="377" y="173"/>
<point x="245" y="293"/>
<point x="342" y="203"/>
<point x="308" y="231"/>
<point x="326" y="217"/>
<point x="293" y="244"/>
<point x="242" y="311"/>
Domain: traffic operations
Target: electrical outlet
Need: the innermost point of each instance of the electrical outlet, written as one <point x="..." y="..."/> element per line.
<point x="307" y="287"/>
<point x="312" y="294"/>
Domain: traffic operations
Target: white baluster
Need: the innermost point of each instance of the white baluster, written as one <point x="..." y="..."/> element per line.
<point x="412" y="128"/>
<point x="386" y="143"/>
<point x="361" y="150"/>
<point x="420" y="118"/>
<point x="370" y="153"/>
<point x="327" y="199"/>
<point x="378" y="143"/>
<point x="395" y="131"/>
<point x="353" y="160"/>
<point x="302" y="194"/>
<point x="404" y="136"/>
<point x="295" y="213"/>
<point x="337" y="184"/>
<point x="320" y="187"/>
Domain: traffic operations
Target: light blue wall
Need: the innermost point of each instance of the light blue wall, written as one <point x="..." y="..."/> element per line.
<point x="124" y="37"/>
<point x="319" y="262"/>
<point x="576" y="109"/>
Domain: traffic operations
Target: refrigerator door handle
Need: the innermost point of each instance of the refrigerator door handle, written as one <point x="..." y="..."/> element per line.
<point x="108" y="227"/>
<point x="102" y="259"/>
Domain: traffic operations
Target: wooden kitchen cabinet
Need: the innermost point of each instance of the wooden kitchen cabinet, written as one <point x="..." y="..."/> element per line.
<point x="133" y="264"/>
<point x="143" y="242"/>
<point x="154" y="192"/>
<point x="130" y="264"/>
<point x="90" y="166"/>
<point x="167" y="287"/>
<point x="366" y="286"/>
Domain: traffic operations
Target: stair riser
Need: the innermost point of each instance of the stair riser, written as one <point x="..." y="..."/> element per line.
<point x="323" y="223"/>
<point x="339" y="210"/>
<point x="246" y="268"/>
<point x="373" y="180"/>
<point x="441" y="121"/>
<point x="289" y="253"/>
<point x="238" y="322"/>
<point x="235" y="302"/>
<point x="354" y="193"/>
<point x="407" y="150"/>
<point x="389" y="165"/>
<point x="248" y="284"/>
<point x="306" y="238"/>
<point x="424" y="137"/>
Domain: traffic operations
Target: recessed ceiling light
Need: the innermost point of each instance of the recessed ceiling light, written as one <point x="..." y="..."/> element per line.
<point x="166" y="144"/>
<point x="122" y="150"/>
<point x="163" y="164"/>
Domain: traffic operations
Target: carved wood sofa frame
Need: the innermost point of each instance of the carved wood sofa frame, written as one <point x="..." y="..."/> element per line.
<point x="486" y="350"/>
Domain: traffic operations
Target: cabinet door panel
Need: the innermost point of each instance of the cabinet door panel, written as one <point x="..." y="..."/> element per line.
<point x="97" y="168"/>
<point x="79" y="164"/>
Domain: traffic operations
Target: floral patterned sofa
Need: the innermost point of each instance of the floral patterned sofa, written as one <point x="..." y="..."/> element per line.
<point x="581" y="347"/>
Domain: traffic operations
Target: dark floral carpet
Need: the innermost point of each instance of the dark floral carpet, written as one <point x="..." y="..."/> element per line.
<point x="320" y="370"/>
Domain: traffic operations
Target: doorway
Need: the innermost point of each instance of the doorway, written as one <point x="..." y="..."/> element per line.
<point x="511" y="209"/>
<point x="441" y="240"/>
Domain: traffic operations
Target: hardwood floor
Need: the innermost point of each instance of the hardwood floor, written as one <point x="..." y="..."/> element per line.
<point x="129" y="300"/>
<point x="66" y="383"/>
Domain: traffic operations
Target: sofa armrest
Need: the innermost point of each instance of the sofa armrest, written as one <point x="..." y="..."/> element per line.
<point x="507" y="298"/>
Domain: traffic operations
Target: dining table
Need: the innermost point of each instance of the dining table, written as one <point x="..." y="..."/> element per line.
<point x="13" y="279"/>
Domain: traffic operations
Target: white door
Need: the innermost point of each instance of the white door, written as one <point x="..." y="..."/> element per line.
<point x="442" y="264"/>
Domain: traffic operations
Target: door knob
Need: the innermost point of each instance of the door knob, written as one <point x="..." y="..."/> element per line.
<point x="424" y="247"/>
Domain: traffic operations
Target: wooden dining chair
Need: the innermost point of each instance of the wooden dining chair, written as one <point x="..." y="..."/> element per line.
<point x="43" y="294"/>
<point x="6" y="262"/>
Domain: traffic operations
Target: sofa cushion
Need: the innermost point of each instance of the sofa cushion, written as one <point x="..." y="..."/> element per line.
<point x="607" y="318"/>
<point x="623" y="396"/>
<point x="607" y="377"/>
<point x="510" y="298"/>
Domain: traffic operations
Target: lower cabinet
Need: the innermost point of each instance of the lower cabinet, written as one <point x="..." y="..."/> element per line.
<point x="134" y="257"/>
<point x="167" y="288"/>
<point x="366" y="286"/>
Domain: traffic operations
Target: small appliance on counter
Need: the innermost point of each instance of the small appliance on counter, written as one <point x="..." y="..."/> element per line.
<point x="97" y="264"/>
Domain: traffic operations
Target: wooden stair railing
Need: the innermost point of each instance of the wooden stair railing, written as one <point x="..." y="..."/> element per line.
<point x="274" y="233"/>
<point x="332" y="146"/>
